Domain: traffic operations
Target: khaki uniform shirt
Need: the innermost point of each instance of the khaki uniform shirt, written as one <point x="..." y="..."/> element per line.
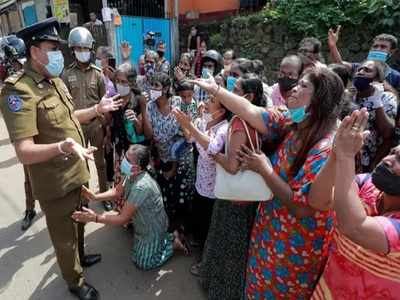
<point x="86" y="86"/>
<point x="36" y="107"/>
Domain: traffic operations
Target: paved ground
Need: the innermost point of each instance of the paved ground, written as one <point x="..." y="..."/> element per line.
<point x="28" y="268"/>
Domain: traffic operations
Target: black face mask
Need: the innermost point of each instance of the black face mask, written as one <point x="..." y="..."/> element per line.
<point x="385" y="180"/>
<point x="362" y="83"/>
<point x="160" y="54"/>
<point x="286" y="83"/>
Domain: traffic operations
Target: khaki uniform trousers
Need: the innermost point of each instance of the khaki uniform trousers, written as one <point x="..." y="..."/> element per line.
<point x="66" y="234"/>
<point x="94" y="134"/>
<point x="29" y="199"/>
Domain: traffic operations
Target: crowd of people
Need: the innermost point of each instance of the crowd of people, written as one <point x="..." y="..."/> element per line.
<point x="323" y="140"/>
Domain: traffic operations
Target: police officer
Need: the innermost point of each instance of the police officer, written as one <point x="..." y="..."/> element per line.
<point x="46" y="132"/>
<point x="14" y="58"/>
<point x="86" y="85"/>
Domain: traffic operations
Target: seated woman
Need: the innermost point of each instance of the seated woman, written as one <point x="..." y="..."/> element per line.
<point x="152" y="244"/>
<point x="365" y="258"/>
<point x="290" y="236"/>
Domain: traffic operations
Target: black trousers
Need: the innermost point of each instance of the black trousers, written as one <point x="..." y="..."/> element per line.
<point x="202" y="210"/>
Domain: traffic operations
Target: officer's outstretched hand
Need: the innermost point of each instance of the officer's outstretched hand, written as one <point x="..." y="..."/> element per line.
<point x="71" y="147"/>
<point x="110" y="104"/>
<point x="85" y="216"/>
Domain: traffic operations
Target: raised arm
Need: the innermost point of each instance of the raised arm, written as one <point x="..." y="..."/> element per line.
<point x="333" y="37"/>
<point x="105" y="105"/>
<point x="351" y="217"/>
<point x="238" y="105"/>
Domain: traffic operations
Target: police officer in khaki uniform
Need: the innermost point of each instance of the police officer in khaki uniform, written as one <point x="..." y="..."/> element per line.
<point x="46" y="132"/>
<point x="13" y="51"/>
<point x="86" y="85"/>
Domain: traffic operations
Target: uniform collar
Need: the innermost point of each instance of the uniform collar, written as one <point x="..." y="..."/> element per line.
<point x="75" y="65"/>
<point x="28" y="69"/>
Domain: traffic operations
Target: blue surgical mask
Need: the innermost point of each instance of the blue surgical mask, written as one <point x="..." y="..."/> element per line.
<point x="126" y="167"/>
<point x="56" y="63"/>
<point x="378" y="56"/>
<point x="98" y="63"/>
<point x="230" y="83"/>
<point x="298" y="114"/>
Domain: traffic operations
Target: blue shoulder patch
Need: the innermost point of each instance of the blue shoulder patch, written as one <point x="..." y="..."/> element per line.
<point x="14" y="103"/>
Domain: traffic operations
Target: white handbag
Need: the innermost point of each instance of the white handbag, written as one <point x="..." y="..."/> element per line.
<point x="244" y="185"/>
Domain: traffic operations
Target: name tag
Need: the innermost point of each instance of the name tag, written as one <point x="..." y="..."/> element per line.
<point x="72" y="78"/>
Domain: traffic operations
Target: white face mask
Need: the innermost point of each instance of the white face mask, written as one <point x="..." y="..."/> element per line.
<point x="83" y="57"/>
<point x="208" y="117"/>
<point x="154" y="94"/>
<point x="123" y="90"/>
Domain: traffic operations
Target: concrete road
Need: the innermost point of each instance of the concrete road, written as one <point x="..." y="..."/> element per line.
<point x="28" y="268"/>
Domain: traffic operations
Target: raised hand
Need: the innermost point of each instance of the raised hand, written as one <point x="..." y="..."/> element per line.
<point x="183" y="119"/>
<point x="126" y="50"/>
<point x="109" y="104"/>
<point x="179" y="74"/>
<point x="333" y="35"/>
<point x="70" y="146"/>
<point x="350" y="135"/>
<point x="85" y="216"/>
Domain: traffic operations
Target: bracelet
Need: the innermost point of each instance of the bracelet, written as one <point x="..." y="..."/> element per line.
<point x="60" y="149"/>
<point x="96" y="110"/>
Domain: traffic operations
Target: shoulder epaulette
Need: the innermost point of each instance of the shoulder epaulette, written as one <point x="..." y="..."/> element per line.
<point x="95" y="67"/>
<point x="13" y="79"/>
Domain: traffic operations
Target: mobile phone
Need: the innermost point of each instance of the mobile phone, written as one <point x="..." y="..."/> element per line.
<point x="111" y="62"/>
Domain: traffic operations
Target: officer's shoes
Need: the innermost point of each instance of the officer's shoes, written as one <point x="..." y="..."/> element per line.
<point x="85" y="292"/>
<point x="107" y="205"/>
<point x="27" y="221"/>
<point x="90" y="260"/>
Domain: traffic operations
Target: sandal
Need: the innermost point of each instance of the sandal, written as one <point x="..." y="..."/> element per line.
<point x="196" y="269"/>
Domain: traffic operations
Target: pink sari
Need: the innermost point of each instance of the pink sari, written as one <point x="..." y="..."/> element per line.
<point x="355" y="273"/>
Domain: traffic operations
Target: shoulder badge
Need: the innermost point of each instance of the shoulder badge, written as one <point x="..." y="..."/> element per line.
<point x="13" y="79"/>
<point x="14" y="103"/>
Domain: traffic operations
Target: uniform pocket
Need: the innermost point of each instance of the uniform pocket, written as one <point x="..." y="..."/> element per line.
<point x="54" y="111"/>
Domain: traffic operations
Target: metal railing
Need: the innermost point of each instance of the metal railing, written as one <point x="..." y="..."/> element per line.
<point x="141" y="8"/>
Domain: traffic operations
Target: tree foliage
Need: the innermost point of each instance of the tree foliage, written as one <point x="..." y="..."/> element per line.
<point x="315" y="17"/>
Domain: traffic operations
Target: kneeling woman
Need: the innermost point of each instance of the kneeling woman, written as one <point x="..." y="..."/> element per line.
<point x="152" y="244"/>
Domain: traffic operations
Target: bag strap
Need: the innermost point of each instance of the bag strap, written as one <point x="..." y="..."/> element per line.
<point x="246" y="129"/>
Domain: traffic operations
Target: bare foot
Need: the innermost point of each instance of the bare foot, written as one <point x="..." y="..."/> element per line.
<point x="180" y="244"/>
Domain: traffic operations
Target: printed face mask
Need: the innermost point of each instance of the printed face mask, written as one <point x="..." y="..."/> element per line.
<point x="230" y="83"/>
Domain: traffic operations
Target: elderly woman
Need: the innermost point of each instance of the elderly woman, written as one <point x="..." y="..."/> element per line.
<point x="288" y="246"/>
<point x="382" y="109"/>
<point x="152" y="244"/>
<point x="365" y="257"/>
<point x="127" y="122"/>
<point x="175" y="167"/>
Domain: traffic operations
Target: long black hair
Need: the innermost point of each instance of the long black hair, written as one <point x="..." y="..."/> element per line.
<point x="323" y="111"/>
<point x="252" y="84"/>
